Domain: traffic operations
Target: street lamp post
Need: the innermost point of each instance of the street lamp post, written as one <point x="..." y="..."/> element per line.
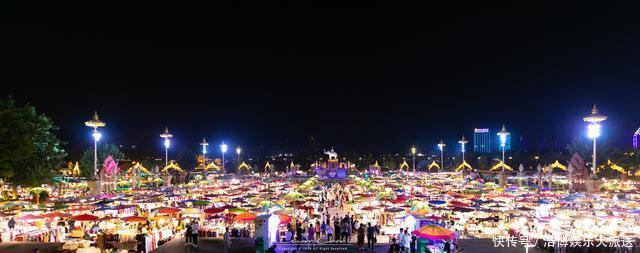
<point x="441" y="146"/>
<point x="413" y="154"/>
<point x="204" y="145"/>
<point x="223" y="148"/>
<point x="238" y="150"/>
<point x="95" y="123"/>
<point x="503" y="143"/>
<point x="463" y="142"/>
<point x="593" y="131"/>
<point x="167" y="143"/>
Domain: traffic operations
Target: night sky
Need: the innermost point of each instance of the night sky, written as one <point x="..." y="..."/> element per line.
<point x="374" y="79"/>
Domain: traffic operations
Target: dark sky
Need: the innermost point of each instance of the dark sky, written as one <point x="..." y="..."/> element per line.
<point x="378" y="78"/>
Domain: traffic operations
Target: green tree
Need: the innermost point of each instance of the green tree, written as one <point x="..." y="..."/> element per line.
<point x="188" y="158"/>
<point x="29" y="149"/>
<point x="38" y="193"/>
<point x="389" y="163"/>
<point x="150" y="164"/>
<point x="104" y="150"/>
<point x="483" y="162"/>
<point x="627" y="159"/>
<point x="584" y="147"/>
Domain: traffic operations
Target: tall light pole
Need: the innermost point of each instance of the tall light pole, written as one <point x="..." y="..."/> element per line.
<point x="204" y="145"/>
<point x="167" y="143"/>
<point x="95" y="123"/>
<point x="238" y="150"/>
<point x="441" y="146"/>
<point x="593" y="131"/>
<point x="413" y="154"/>
<point x="503" y="143"/>
<point x="223" y="148"/>
<point x="463" y="142"/>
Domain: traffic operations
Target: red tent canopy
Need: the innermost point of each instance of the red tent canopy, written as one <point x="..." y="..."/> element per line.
<point x="398" y="201"/>
<point x="228" y="206"/>
<point x="213" y="210"/>
<point x="84" y="217"/>
<point x="56" y="214"/>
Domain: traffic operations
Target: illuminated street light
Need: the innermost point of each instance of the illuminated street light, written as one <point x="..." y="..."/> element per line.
<point x="441" y="146"/>
<point x="223" y="148"/>
<point x="204" y="145"/>
<point x="95" y="123"/>
<point x="463" y="142"/>
<point x="413" y="153"/>
<point x="238" y="150"/>
<point x="503" y="143"/>
<point x="593" y="131"/>
<point x="167" y="143"/>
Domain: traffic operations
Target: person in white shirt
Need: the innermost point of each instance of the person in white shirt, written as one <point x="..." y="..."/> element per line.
<point x="407" y="240"/>
<point x="194" y="233"/>
<point x="401" y="240"/>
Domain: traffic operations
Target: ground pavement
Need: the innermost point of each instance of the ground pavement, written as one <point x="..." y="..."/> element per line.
<point x="247" y="246"/>
<point x="213" y="245"/>
<point x="244" y="245"/>
<point x="29" y="247"/>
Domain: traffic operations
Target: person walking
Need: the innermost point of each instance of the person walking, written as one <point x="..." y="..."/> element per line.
<point x="394" y="247"/>
<point x="329" y="233"/>
<point x="401" y="240"/>
<point x="407" y="240"/>
<point x="345" y="231"/>
<point x="11" y="223"/>
<point x="187" y="235"/>
<point x="299" y="232"/>
<point x="317" y="230"/>
<point x="310" y="232"/>
<point x="336" y="225"/>
<point x="227" y="240"/>
<point x="447" y="246"/>
<point x="323" y="229"/>
<point x="194" y="233"/>
<point x="361" y="237"/>
<point x="371" y="236"/>
<point x="414" y="243"/>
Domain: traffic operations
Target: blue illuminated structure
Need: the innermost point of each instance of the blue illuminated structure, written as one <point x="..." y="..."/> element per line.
<point x="481" y="140"/>
<point x="636" y="135"/>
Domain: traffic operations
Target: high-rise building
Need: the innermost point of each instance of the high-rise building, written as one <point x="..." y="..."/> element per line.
<point x="481" y="140"/>
<point x="636" y="135"/>
<point x="507" y="144"/>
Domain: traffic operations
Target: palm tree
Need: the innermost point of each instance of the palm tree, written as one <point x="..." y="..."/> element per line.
<point x="37" y="191"/>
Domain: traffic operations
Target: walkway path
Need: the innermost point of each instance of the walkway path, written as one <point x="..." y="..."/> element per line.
<point x="213" y="245"/>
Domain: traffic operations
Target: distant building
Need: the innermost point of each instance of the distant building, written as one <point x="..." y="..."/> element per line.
<point x="636" y="135"/>
<point x="481" y="140"/>
<point x="507" y="144"/>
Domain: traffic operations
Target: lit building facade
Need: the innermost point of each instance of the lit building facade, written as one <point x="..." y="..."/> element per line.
<point x="481" y="140"/>
<point x="636" y="135"/>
